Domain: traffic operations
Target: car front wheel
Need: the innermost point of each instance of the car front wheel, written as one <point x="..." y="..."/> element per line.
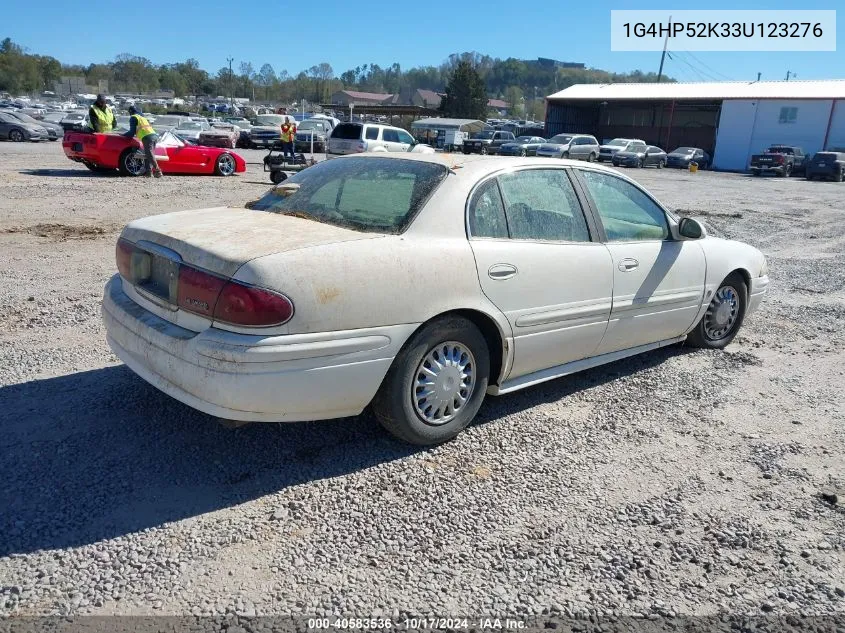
<point x="436" y="383"/>
<point x="724" y="315"/>
<point x="16" y="136"/>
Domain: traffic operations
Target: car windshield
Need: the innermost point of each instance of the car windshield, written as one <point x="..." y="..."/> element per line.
<point x="684" y="150"/>
<point x="74" y="117"/>
<point x="165" y="121"/>
<point x="312" y="125"/>
<point x="26" y="118"/>
<point x="777" y="149"/>
<point x="54" y="117"/>
<point x="269" y="119"/>
<point x="524" y="139"/>
<point x="619" y="142"/>
<point x="484" y="135"/>
<point x="190" y="125"/>
<point x="562" y="139"/>
<point x="380" y="195"/>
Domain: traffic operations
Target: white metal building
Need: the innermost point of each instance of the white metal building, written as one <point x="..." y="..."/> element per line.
<point x="737" y="118"/>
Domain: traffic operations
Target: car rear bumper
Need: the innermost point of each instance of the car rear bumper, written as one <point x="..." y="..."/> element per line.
<point x="765" y="169"/>
<point x="252" y="377"/>
<point x="824" y="172"/>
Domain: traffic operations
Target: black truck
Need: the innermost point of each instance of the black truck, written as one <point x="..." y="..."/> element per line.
<point x="487" y="142"/>
<point x="783" y="160"/>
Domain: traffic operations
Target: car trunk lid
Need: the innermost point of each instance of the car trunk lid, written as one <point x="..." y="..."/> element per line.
<point x="220" y="240"/>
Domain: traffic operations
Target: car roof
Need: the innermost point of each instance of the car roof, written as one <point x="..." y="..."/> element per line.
<point x="479" y="165"/>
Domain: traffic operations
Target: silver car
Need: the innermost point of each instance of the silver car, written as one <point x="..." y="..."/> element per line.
<point x="580" y="146"/>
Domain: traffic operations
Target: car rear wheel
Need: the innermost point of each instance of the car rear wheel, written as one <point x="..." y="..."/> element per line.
<point x="840" y="176"/>
<point x="661" y="164"/>
<point x="225" y="165"/>
<point x="522" y="152"/>
<point x="436" y="383"/>
<point x="132" y="162"/>
<point x="591" y="158"/>
<point x="17" y="136"/>
<point x="724" y="315"/>
<point x="787" y="171"/>
<point x="484" y="150"/>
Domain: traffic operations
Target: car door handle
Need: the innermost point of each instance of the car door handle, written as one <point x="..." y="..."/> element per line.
<point x="627" y="264"/>
<point x="501" y="272"/>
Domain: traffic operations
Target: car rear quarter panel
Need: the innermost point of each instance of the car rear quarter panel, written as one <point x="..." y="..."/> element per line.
<point x="390" y="280"/>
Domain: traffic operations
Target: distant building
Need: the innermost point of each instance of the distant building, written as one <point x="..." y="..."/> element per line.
<point x="730" y="120"/>
<point x="553" y="63"/>
<point x="67" y="86"/>
<point x="347" y="97"/>
<point x="498" y="104"/>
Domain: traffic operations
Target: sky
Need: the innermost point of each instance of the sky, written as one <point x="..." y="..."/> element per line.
<point x="297" y="35"/>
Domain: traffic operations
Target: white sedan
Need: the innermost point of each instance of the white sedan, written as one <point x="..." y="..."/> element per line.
<point x="417" y="284"/>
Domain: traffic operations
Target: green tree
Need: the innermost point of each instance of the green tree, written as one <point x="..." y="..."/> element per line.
<point x="465" y="97"/>
<point x="515" y="100"/>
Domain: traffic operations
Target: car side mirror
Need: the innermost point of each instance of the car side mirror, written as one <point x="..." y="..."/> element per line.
<point x="691" y="229"/>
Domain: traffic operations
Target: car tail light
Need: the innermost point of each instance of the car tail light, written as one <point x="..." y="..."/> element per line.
<point x="780" y="160"/>
<point x="198" y="291"/>
<point x="123" y="254"/>
<point x="252" y="307"/>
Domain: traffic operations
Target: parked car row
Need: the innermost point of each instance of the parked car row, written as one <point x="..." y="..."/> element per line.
<point x="788" y="160"/>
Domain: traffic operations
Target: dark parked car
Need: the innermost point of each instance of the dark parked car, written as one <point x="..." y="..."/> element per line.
<point x="783" y="160"/>
<point x="13" y="129"/>
<point x="522" y="146"/>
<point x="826" y="165"/>
<point x="640" y="157"/>
<point x="487" y="142"/>
<point x="607" y="150"/>
<point x="54" y="132"/>
<point x="683" y="156"/>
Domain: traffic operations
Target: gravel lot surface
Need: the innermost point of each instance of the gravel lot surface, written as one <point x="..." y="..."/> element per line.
<point x="679" y="482"/>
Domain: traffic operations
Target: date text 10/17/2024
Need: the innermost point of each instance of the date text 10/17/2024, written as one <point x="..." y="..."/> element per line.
<point x="414" y="624"/>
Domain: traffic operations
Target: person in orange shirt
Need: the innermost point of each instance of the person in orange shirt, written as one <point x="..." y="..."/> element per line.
<point x="289" y="139"/>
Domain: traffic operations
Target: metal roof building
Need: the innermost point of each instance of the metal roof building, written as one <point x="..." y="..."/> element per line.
<point x="729" y="120"/>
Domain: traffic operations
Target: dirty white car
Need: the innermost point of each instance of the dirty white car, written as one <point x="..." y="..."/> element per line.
<point x="417" y="284"/>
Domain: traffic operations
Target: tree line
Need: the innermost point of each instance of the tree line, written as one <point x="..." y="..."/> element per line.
<point x="513" y="80"/>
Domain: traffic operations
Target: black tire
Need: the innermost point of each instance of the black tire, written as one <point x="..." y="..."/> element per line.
<point x="394" y="404"/>
<point x="592" y="157"/>
<point x="522" y="152"/>
<point x="699" y="336"/>
<point x="811" y="178"/>
<point x="126" y="165"/>
<point x="840" y="176"/>
<point x="17" y="136"/>
<point x="661" y="164"/>
<point x="278" y="176"/>
<point x="756" y="172"/>
<point x="787" y="171"/>
<point x="641" y="163"/>
<point x="484" y="150"/>
<point x="97" y="169"/>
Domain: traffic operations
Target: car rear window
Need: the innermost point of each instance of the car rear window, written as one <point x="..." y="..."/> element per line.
<point x="348" y="131"/>
<point x="381" y="195"/>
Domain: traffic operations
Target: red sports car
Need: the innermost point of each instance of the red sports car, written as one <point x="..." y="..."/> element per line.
<point x="104" y="152"/>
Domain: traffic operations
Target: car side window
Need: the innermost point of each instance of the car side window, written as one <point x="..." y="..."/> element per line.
<point x="487" y="213"/>
<point x="626" y="212"/>
<point x="540" y="204"/>
<point x="372" y="133"/>
<point x="390" y="136"/>
<point x="404" y="137"/>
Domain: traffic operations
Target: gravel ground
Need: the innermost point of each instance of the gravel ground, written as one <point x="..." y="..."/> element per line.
<point x="682" y="482"/>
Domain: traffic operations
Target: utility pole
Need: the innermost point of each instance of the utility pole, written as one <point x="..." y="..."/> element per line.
<point x="789" y="74"/>
<point x="231" y="95"/>
<point x="663" y="56"/>
<point x="759" y="75"/>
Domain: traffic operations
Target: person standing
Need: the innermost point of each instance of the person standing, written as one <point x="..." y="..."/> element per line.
<point x="101" y="116"/>
<point x="140" y="127"/>
<point x="289" y="139"/>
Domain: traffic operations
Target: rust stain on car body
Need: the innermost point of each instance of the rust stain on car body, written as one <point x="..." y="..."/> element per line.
<point x="327" y="295"/>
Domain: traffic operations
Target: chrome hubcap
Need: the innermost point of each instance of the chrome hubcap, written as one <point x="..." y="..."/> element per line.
<point x="135" y="163"/>
<point x="443" y="383"/>
<point x="227" y="165"/>
<point x="722" y="313"/>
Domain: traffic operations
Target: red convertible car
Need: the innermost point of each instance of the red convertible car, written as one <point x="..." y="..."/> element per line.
<point x="105" y="152"/>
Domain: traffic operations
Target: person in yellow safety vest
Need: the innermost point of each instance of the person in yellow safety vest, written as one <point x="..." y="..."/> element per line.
<point x="101" y="116"/>
<point x="289" y="139"/>
<point x="140" y="127"/>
